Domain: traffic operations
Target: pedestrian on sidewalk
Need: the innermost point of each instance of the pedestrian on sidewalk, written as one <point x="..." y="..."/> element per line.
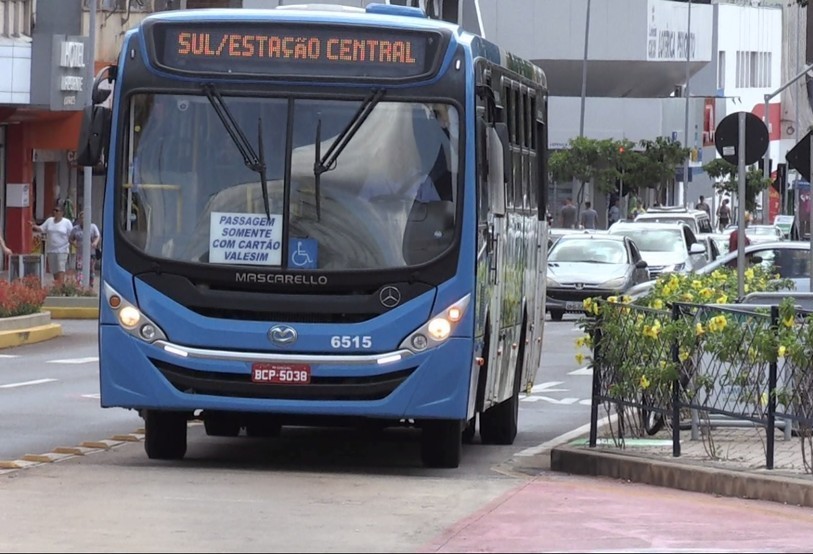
<point x="589" y="217"/>
<point x="76" y="239"/>
<point x="57" y="231"/>
<point x="4" y="247"/>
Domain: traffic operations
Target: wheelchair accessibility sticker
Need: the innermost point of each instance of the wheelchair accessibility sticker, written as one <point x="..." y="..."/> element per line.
<point x="302" y="253"/>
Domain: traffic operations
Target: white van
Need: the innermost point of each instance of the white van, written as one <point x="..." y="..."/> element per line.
<point x="697" y="220"/>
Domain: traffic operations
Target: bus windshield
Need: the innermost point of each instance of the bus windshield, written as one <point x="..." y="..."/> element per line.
<point x="388" y="200"/>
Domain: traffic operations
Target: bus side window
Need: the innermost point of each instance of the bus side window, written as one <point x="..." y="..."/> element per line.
<point x="482" y="170"/>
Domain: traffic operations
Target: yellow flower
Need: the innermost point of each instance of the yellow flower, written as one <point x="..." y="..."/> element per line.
<point x="749" y="273"/>
<point x="580" y="358"/>
<point x="788" y="321"/>
<point x="626" y="299"/>
<point x="698" y="329"/>
<point x="763" y="399"/>
<point x="722" y="299"/>
<point x="612" y="299"/>
<point x="697" y="285"/>
<point x="587" y="303"/>
<point x="657" y="304"/>
<point x="687" y="297"/>
<point x="706" y="293"/>
<point x="717" y="323"/>
<point x="644" y="382"/>
<point x="582" y="341"/>
<point x="782" y="350"/>
<point x="653" y="330"/>
<point x="683" y="356"/>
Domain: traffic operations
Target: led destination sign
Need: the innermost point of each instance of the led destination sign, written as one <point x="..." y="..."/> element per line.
<point x="277" y="51"/>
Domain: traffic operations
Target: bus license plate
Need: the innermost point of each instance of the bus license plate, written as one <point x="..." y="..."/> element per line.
<point x="283" y="374"/>
<point x="574" y="306"/>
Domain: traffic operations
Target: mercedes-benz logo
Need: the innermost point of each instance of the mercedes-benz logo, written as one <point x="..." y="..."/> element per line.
<point x="389" y="297"/>
<point x="282" y="334"/>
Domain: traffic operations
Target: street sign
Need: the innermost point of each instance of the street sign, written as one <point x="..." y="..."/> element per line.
<point x="726" y="138"/>
<point x="798" y="157"/>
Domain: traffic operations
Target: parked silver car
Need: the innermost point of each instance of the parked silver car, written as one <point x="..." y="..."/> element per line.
<point x="665" y="246"/>
<point x="589" y="265"/>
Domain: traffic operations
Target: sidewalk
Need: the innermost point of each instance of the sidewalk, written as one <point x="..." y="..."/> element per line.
<point x="727" y="461"/>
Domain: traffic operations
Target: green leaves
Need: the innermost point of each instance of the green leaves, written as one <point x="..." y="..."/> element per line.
<point x="646" y="164"/>
<point x="726" y="176"/>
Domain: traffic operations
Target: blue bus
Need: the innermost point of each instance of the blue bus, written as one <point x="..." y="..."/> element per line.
<point x="320" y="217"/>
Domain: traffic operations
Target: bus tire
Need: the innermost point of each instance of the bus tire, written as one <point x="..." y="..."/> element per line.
<point x="441" y="443"/>
<point x="557" y="315"/>
<point x="221" y="424"/>
<point x="470" y="430"/>
<point x="499" y="424"/>
<point x="165" y="434"/>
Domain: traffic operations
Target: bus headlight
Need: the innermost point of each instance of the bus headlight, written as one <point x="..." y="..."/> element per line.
<point x="437" y="329"/>
<point x="130" y="317"/>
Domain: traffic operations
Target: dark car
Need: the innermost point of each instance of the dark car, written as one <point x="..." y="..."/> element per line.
<point x="590" y="265"/>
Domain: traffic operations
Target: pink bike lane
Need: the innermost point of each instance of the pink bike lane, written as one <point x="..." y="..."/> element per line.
<point x="564" y="513"/>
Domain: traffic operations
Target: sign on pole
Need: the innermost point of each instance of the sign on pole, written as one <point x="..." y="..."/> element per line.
<point x="727" y="138"/>
<point x="741" y="139"/>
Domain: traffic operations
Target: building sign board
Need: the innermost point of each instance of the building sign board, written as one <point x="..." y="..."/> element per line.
<point x="69" y="61"/>
<point x="669" y="34"/>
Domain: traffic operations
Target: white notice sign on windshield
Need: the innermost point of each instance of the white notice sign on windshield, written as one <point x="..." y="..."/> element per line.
<point x="236" y="238"/>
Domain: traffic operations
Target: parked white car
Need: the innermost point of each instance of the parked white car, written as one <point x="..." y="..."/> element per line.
<point x="665" y="246"/>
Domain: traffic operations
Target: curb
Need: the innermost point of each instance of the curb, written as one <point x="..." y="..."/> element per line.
<point x="59" y="312"/>
<point x="31" y="335"/>
<point x="723" y="482"/>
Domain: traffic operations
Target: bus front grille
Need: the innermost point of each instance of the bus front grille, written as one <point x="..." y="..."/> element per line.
<point x="190" y="381"/>
<point x="283" y="317"/>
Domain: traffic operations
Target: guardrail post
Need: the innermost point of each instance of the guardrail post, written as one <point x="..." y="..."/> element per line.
<point x="770" y="429"/>
<point x="676" y="389"/>
<point x="596" y="385"/>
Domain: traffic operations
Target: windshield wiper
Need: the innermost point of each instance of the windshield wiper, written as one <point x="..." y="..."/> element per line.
<point x="327" y="162"/>
<point x="253" y="161"/>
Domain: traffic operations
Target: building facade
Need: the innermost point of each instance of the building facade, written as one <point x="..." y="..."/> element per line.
<point x="634" y="67"/>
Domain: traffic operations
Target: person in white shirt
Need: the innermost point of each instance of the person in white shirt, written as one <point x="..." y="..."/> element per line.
<point x="57" y="232"/>
<point x="4" y="247"/>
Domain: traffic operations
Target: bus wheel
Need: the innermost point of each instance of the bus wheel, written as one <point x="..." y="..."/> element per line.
<point x="557" y="315"/>
<point x="498" y="424"/>
<point x="263" y="427"/>
<point x="441" y="443"/>
<point x="221" y="424"/>
<point x="165" y="434"/>
<point x="469" y="430"/>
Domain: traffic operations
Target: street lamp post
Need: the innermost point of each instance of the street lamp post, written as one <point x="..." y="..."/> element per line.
<point x="685" y="186"/>
<point x="88" y="174"/>
<point x="580" y="194"/>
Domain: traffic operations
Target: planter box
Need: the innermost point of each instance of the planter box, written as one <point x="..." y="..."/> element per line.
<point x="27" y="329"/>
<point x="72" y="307"/>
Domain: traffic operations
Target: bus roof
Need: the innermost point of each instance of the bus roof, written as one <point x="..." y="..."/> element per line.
<point x="375" y="15"/>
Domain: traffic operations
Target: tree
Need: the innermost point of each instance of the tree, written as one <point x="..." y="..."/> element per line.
<point x="586" y="160"/>
<point x="725" y="174"/>
<point x="663" y="156"/>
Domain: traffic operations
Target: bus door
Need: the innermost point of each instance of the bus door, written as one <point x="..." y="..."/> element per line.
<point x="540" y="293"/>
<point x="498" y="354"/>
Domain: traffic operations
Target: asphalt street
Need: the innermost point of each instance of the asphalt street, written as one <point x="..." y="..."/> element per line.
<point x="49" y="398"/>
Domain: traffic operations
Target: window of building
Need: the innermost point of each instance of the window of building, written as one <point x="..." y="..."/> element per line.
<point x="721" y="69"/>
<point x="753" y="69"/>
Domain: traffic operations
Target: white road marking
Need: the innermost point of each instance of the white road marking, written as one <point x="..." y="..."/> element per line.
<point x="75" y="360"/>
<point x="564" y="437"/>
<point x="565" y="401"/>
<point x="548" y="387"/>
<point x="26" y="383"/>
<point x="94" y="396"/>
<point x="9" y="356"/>
<point x="582" y="371"/>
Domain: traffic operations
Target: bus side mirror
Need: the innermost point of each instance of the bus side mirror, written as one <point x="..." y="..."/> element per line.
<point x="496" y="171"/>
<point x="94" y="137"/>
